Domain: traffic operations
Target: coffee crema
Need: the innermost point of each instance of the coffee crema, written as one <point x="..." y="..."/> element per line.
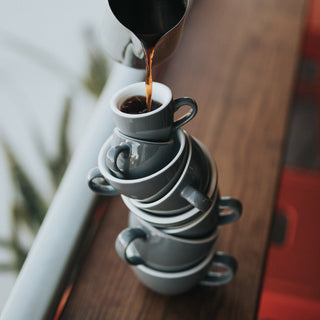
<point x="138" y="105"/>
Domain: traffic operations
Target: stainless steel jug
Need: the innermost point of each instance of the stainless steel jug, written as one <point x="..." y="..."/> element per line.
<point x="128" y="24"/>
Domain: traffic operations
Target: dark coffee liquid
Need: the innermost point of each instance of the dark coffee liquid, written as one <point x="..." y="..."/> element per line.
<point x="137" y="105"/>
<point x="149" y="20"/>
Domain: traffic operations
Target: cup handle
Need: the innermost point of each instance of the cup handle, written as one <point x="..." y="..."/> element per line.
<point x="113" y="154"/>
<point x="229" y="203"/>
<point x="123" y="241"/>
<point x="214" y="278"/>
<point x="196" y="198"/>
<point x="99" y="184"/>
<point x="180" y="102"/>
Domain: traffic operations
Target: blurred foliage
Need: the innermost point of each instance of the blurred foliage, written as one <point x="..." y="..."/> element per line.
<point x="29" y="207"/>
<point x="98" y="69"/>
<point x="58" y="164"/>
<point x="97" y="74"/>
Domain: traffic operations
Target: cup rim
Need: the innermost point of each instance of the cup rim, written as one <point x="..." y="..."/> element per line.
<point x="106" y="172"/>
<point x="150" y="205"/>
<point x="195" y="241"/>
<point x="129" y="91"/>
<point x="119" y="134"/>
<point x="178" y="274"/>
<point x="173" y="231"/>
<point x="164" y="221"/>
<point x="146" y="205"/>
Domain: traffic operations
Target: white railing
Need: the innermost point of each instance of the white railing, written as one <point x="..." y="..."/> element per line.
<point x="45" y="267"/>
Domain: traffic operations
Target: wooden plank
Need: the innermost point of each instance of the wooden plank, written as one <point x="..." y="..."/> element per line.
<point x="238" y="60"/>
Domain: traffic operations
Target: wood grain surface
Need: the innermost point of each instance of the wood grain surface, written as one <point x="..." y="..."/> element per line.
<point x="238" y="59"/>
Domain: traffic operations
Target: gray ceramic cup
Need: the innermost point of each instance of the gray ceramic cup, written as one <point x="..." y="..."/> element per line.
<point x="156" y="125"/>
<point x="172" y="221"/>
<point x="148" y="188"/>
<point x="194" y="223"/>
<point x="173" y="283"/>
<point x="131" y="158"/>
<point x="158" y="250"/>
<point x="225" y="210"/>
<point x="190" y="190"/>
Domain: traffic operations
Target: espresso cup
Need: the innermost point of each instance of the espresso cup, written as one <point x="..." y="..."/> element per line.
<point x="225" y="210"/>
<point x="156" y="125"/>
<point x="190" y="190"/>
<point x="173" y="283"/>
<point x="148" y="188"/>
<point x="131" y="158"/>
<point x="172" y="221"/>
<point x="193" y="223"/>
<point x="158" y="250"/>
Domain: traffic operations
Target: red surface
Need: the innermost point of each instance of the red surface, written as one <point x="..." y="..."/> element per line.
<point x="291" y="288"/>
<point x="277" y="306"/>
<point x="292" y="280"/>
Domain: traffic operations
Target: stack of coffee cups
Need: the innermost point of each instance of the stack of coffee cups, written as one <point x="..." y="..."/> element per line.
<point x="169" y="182"/>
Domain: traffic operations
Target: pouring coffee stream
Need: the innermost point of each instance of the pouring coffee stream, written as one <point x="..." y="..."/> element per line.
<point x="149" y="53"/>
<point x="150" y="21"/>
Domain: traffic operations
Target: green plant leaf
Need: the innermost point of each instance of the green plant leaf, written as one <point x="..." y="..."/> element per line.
<point x="5" y="244"/>
<point x="33" y="203"/>
<point x="97" y="74"/>
<point x="6" y="267"/>
<point x="58" y="164"/>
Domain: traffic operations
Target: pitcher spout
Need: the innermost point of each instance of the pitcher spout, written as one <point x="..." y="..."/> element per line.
<point x="132" y="25"/>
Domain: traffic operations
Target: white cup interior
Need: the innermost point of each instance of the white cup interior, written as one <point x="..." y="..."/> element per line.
<point x="160" y="93"/>
<point x="107" y="174"/>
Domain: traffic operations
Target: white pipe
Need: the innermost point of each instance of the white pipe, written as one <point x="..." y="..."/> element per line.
<point x="47" y="261"/>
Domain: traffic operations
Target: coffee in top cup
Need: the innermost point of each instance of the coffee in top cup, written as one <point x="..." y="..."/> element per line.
<point x="138" y="105"/>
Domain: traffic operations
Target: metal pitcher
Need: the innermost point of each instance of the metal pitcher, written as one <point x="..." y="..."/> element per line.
<point x="129" y="23"/>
